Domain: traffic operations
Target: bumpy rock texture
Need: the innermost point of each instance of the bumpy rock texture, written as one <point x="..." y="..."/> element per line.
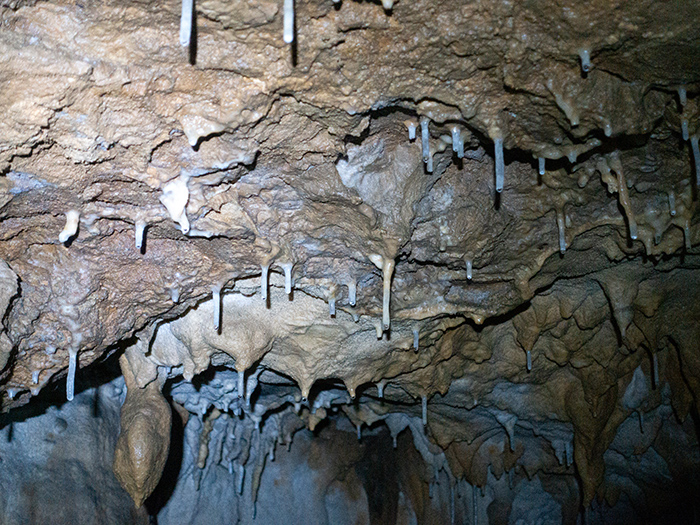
<point x="248" y="224"/>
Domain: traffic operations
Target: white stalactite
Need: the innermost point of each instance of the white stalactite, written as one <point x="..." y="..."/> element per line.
<point x="387" y="272"/>
<point x="70" y="379"/>
<point x="387" y="267"/>
<point x="585" y="56"/>
<point x="540" y="162"/>
<point x="352" y="293"/>
<point x="416" y="339"/>
<point x="424" y="410"/>
<point x="264" y="271"/>
<point x="186" y="17"/>
<point x="607" y="129"/>
<point x="672" y="203"/>
<point x="500" y="164"/>
<point x="241" y="384"/>
<point x="469" y="269"/>
<point x="71" y="227"/>
<point x="429" y="165"/>
<point x="331" y="306"/>
<point x="457" y="142"/>
<point x="287" y="267"/>
<point x="682" y="96"/>
<point x="216" y="298"/>
<point x="425" y="138"/>
<point x="289" y="21"/>
<point x="411" y="130"/>
<point x="529" y="360"/>
<point x="561" y="225"/>
<point x="684" y="129"/>
<point x="175" y="196"/>
<point x="139" y="230"/>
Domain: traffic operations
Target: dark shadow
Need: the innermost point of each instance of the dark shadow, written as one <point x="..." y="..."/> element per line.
<point x="193" y="37"/>
<point x="379" y="474"/>
<point x="144" y="240"/>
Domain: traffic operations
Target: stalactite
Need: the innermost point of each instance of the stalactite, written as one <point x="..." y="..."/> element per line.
<point x="264" y="271"/>
<point x="607" y="129"/>
<point x="457" y="142"/>
<point x="352" y="293"/>
<point x="672" y="203"/>
<point x="378" y="328"/>
<point x="216" y="299"/>
<point x="241" y="384"/>
<point x="72" y="368"/>
<point x="585" y="56"/>
<point x="625" y="202"/>
<point x="425" y="138"/>
<point x="561" y="226"/>
<point x="289" y="21"/>
<point x="500" y="166"/>
<point x="412" y="126"/>
<point x="540" y="162"/>
<point x="385" y="264"/>
<point x="186" y="17"/>
<point x="380" y="388"/>
<point x="416" y="339"/>
<point x="287" y="267"/>
<point x="71" y="227"/>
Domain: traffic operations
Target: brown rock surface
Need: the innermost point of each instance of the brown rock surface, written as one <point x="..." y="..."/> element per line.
<point x="256" y="155"/>
<point x="144" y="440"/>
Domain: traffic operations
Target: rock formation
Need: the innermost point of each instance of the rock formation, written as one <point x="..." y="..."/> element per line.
<point x="465" y="234"/>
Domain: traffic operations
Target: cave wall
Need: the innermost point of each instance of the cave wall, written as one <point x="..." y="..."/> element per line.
<point x="474" y="223"/>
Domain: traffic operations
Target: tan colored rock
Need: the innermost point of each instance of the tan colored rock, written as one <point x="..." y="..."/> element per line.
<point x="144" y="440"/>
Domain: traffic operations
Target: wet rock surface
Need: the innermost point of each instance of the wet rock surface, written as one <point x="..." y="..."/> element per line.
<point x="307" y="239"/>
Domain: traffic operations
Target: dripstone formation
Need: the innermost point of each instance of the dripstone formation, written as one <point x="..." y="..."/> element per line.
<point x="322" y="262"/>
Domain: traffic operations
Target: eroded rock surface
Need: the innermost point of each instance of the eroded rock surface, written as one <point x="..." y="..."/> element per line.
<point x="317" y="234"/>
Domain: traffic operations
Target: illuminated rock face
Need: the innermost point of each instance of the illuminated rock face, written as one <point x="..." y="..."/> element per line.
<point x="466" y="234"/>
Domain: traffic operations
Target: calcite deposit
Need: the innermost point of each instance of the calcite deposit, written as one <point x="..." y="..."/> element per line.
<point x="388" y="262"/>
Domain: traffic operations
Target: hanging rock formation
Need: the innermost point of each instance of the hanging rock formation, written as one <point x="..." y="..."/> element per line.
<point x="142" y="447"/>
<point x="448" y="251"/>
